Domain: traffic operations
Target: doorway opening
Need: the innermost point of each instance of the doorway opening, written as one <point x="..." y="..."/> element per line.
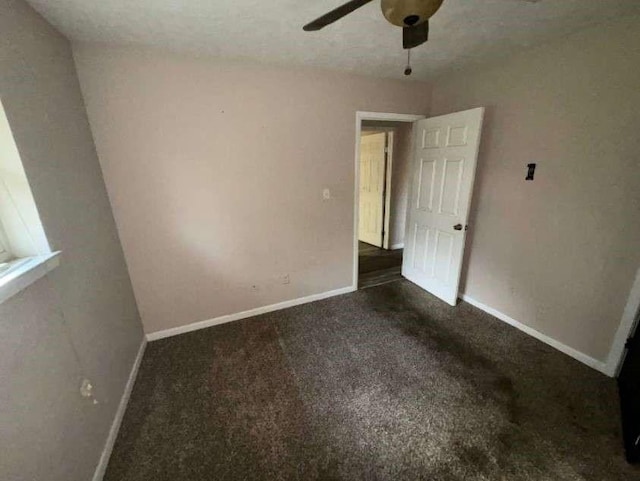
<point x="443" y="158"/>
<point x="383" y="161"/>
<point x="629" y="389"/>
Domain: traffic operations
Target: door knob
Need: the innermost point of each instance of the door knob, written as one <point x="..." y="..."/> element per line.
<point x="457" y="227"/>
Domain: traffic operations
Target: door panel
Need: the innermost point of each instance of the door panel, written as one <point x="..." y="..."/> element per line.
<point x="372" y="184"/>
<point x="443" y="172"/>
<point x="442" y="256"/>
<point x="451" y="185"/>
<point x="421" y="244"/>
<point x="426" y="185"/>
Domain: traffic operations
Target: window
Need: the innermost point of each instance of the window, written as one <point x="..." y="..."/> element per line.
<point x="5" y="255"/>
<point x="25" y="255"/>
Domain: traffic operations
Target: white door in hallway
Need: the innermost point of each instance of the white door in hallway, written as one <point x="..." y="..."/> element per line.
<point x="372" y="184"/>
<point x="442" y="175"/>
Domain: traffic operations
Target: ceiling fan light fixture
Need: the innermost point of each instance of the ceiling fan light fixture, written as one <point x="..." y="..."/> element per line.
<point x="412" y="15"/>
<point x="408" y="13"/>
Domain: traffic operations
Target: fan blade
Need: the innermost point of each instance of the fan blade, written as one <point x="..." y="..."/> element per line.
<point x="416" y="35"/>
<point x="335" y="15"/>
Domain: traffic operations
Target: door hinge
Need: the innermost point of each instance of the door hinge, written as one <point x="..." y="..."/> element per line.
<point x="629" y="343"/>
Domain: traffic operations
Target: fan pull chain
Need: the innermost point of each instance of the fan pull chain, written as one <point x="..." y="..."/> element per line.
<point x="407" y="69"/>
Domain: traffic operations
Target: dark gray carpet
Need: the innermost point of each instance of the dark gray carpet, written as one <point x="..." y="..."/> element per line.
<point x="382" y="384"/>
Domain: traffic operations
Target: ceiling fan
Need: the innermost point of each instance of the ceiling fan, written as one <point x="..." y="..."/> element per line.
<point x="412" y="15"/>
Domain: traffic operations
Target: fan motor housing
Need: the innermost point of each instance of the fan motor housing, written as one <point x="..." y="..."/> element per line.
<point x="407" y="13"/>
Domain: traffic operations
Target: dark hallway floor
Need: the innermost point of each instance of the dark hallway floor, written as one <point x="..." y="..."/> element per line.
<point x="378" y="266"/>
<point x="386" y="383"/>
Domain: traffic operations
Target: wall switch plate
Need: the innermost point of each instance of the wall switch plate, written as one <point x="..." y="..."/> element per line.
<point x="86" y="388"/>
<point x="87" y="392"/>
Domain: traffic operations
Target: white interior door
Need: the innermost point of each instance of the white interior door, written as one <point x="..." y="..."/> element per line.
<point x="372" y="183"/>
<point x="442" y="175"/>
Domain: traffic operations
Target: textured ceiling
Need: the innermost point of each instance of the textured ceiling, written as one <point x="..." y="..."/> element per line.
<point x="463" y="32"/>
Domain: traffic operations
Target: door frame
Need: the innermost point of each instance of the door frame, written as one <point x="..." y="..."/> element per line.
<point x="360" y="116"/>
<point x="388" y="169"/>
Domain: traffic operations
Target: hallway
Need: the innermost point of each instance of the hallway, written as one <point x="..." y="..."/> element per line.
<point x="378" y="266"/>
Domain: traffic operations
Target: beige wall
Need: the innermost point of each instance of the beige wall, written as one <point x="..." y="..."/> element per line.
<point x="81" y="320"/>
<point x="558" y="254"/>
<point x="216" y="171"/>
<point x="400" y="181"/>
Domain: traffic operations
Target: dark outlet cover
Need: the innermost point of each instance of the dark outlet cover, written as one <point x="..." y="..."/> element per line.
<point x="531" y="171"/>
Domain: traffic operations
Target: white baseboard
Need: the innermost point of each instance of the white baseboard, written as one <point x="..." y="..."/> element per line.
<point x="397" y="246"/>
<point x="122" y="407"/>
<point x="174" y="331"/>
<point x="569" y="351"/>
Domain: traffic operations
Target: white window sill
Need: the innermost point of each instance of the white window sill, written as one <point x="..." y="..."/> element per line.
<point x="29" y="270"/>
